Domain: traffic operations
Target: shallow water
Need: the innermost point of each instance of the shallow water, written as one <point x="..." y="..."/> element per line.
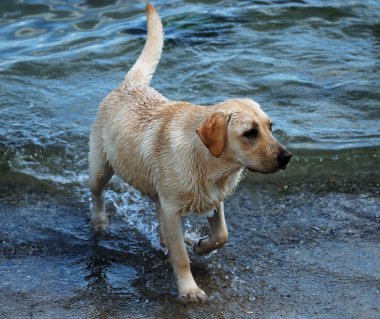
<point x="304" y="243"/>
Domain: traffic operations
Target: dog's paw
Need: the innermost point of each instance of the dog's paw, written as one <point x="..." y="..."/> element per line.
<point x="99" y="223"/>
<point x="199" y="249"/>
<point x="192" y="295"/>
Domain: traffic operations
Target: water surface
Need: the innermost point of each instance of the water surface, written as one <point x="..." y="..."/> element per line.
<point x="304" y="243"/>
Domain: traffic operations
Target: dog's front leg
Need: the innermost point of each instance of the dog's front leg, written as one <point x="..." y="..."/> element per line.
<point x="188" y="290"/>
<point x="218" y="233"/>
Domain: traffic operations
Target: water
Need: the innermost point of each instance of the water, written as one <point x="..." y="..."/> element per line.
<point x="314" y="68"/>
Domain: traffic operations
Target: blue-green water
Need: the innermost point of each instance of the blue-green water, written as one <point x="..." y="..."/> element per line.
<point x="314" y="66"/>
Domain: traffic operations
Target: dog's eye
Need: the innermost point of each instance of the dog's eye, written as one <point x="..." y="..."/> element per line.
<point x="252" y="133"/>
<point x="270" y="126"/>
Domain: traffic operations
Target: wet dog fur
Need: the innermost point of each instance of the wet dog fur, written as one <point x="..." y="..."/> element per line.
<point x="185" y="157"/>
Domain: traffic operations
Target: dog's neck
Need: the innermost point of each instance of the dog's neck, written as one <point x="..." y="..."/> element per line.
<point x="217" y="173"/>
<point x="220" y="168"/>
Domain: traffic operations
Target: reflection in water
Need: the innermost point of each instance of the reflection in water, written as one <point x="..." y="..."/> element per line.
<point x="98" y="286"/>
<point x="110" y="281"/>
<point x="97" y="266"/>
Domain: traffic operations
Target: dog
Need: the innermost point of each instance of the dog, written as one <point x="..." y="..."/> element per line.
<point x="185" y="157"/>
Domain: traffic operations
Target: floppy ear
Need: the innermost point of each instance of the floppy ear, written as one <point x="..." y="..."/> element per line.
<point x="213" y="132"/>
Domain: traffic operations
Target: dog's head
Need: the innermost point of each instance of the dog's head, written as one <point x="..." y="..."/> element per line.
<point x="239" y="131"/>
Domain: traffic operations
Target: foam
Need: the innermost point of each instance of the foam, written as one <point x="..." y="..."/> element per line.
<point x="138" y="212"/>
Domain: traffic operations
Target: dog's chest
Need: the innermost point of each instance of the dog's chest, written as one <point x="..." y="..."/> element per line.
<point x="214" y="192"/>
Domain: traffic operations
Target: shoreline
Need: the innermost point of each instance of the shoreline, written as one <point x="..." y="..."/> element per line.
<point x="297" y="247"/>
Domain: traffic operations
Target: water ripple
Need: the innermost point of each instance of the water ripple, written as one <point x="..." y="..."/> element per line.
<point x="312" y="65"/>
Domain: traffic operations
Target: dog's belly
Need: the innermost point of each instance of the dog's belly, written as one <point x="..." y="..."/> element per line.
<point x="143" y="185"/>
<point x="137" y="174"/>
<point x="132" y="160"/>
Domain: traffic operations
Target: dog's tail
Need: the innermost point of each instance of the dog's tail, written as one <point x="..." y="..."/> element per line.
<point x="143" y="69"/>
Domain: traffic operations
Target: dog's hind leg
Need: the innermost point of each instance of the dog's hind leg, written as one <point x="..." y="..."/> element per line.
<point x="100" y="173"/>
<point x="218" y="236"/>
<point x="163" y="241"/>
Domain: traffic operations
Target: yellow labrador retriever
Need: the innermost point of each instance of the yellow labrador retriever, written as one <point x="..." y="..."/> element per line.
<point x="185" y="157"/>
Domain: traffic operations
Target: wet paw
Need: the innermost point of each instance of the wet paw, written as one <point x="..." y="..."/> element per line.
<point x="193" y="295"/>
<point x="198" y="249"/>
<point x="99" y="223"/>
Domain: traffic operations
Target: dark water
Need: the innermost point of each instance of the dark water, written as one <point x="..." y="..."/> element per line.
<point x="304" y="243"/>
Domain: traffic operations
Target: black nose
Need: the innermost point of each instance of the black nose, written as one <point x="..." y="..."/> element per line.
<point x="283" y="158"/>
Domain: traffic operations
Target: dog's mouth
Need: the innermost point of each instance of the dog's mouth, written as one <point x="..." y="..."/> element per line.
<point x="282" y="167"/>
<point x="269" y="167"/>
<point x="251" y="170"/>
<point x="266" y="171"/>
<point x="262" y="171"/>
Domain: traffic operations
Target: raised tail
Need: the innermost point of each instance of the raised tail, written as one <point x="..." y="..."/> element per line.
<point x="143" y="69"/>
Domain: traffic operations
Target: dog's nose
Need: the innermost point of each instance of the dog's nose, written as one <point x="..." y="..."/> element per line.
<point x="283" y="158"/>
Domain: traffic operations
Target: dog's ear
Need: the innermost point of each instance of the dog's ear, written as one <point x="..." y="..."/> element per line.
<point x="213" y="132"/>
